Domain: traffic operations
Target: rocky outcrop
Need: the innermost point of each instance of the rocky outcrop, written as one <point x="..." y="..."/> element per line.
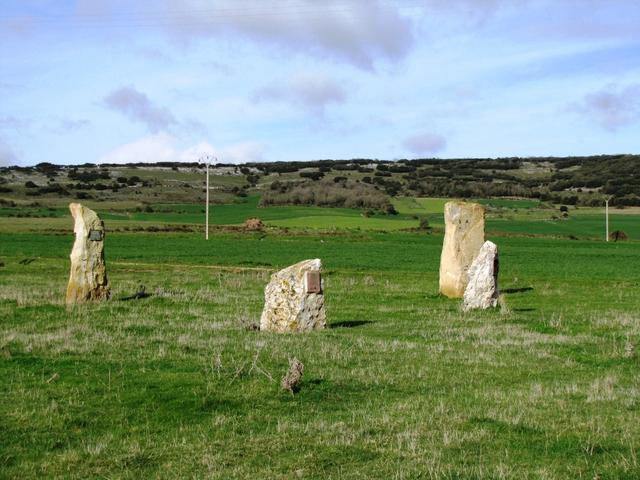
<point x="482" y="289"/>
<point x="464" y="235"/>
<point x="294" y="299"/>
<point x="88" y="278"/>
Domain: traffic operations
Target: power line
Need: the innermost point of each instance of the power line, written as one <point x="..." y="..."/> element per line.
<point x="188" y="17"/>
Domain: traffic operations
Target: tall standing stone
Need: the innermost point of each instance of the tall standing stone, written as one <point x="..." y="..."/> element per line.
<point x="88" y="278"/>
<point x="482" y="289"/>
<point x="463" y="237"/>
<point x="294" y="299"/>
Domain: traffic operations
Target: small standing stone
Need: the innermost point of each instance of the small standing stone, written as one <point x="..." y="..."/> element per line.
<point x="294" y="299"/>
<point x="88" y="278"/>
<point x="463" y="237"/>
<point x="291" y="379"/>
<point x="482" y="289"/>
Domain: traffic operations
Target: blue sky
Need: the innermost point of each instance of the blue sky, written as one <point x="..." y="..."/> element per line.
<point x="265" y="80"/>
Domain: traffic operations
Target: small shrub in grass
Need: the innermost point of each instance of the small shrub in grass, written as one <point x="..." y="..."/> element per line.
<point x="618" y="236"/>
<point x="424" y="224"/>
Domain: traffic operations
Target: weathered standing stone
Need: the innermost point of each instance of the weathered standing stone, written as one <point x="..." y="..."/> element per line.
<point x="88" y="278"/>
<point x="294" y="299"/>
<point x="482" y="289"/>
<point x="463" y="237"/>
<point x="291" y="379"/>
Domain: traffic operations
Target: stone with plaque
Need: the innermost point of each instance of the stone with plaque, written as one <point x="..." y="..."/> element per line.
<point x="88" y="277"/>
<point x="95" y="235"/>
<point x="312" y="282"/>
<point x="294" y="299"/>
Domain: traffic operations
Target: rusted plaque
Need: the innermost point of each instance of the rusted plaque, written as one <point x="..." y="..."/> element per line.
<point x="95" y="235"/>
<point x="312" y="282"/>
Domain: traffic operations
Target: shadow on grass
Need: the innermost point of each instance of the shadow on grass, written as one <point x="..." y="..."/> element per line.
<point x="516" y="290"/>
<point x="524" y="309"/>
<point x="135" y="296"/>
<point x="141" y="293"/>
<point x="349" y="323"/>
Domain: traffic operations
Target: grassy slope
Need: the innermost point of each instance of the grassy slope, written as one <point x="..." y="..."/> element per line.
<point x="403" y="386"/>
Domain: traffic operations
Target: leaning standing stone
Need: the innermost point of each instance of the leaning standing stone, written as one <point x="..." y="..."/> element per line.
<point x="88" y="278"/>
<point x="294" y="299"/>
<point x="482" y="290"/>
<point x="463" y="237"/>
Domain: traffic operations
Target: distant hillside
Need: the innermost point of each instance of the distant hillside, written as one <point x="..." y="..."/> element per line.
<point x="359" y="183"/>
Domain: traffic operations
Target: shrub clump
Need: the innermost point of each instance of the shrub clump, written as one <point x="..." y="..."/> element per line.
<point x="327" y="194"/>
<point x="618" y="236"/>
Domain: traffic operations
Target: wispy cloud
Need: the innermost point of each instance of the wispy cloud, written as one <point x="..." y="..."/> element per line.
<point x="69" y="125"/>
<point x="12" y="123"/>
<point x="309" y="91"/>
<point x="137" y="107"/>
<point x="612" y="107"/>
<point x="425" y="143"/>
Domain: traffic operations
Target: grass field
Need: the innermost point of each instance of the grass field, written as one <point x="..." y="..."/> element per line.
<point x="505" y="217"/>
<point x="402" y="385"/>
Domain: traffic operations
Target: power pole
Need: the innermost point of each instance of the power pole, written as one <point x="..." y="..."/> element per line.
<point x="206" y="234"/>
<point x="207" y="160"/>
<point x="606" y="216"/>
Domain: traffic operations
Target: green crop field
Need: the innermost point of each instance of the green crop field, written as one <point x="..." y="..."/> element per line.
<point x="401" y="385"/>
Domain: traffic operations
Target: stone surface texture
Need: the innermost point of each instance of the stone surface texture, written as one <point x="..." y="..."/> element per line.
<point x="463" y="237"/>
<point x="287" y="306"/>
<point x="253" y="224"/>
<point x="88" y="278"/>
<point x="482" y="289"/>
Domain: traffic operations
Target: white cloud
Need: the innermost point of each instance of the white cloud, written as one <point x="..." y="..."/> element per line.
<point x="153" y="148"/>
<point x="162" y="147"/>
<point x="242" y="153"/>
<point x="312" y="92"/>
<point x="425" y="143"/>
<point x="7" y="155"/>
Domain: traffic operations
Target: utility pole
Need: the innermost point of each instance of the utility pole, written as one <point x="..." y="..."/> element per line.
<point x="206" y="235"/>
<point x="207" y="160"/>
<point x="606" y="216"/>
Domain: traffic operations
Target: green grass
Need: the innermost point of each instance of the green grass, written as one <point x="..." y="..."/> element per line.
<point x="403" y="385"/>
<point x="509" y="203"/>
<point x="504" y="217"/>
<point x="420" y="206"/>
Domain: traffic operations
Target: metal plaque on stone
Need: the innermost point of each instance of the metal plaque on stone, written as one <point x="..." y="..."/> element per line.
<point x="312" y="282"/>
<point x="95" y="235"/>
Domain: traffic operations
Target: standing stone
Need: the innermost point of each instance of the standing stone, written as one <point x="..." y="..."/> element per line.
<point x="482" y="290"/>
<point x="463" y="237"/>
<point x="88" y="278"/>
<point x="294" y="299"/>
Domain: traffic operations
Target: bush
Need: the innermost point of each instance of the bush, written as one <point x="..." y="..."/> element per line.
<point x="618" y="236"/>
<point x="390" y="210"/>
<point x="312" y="175"/>
<point x="327" y="194"/>
<point x="424" y="224"/>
